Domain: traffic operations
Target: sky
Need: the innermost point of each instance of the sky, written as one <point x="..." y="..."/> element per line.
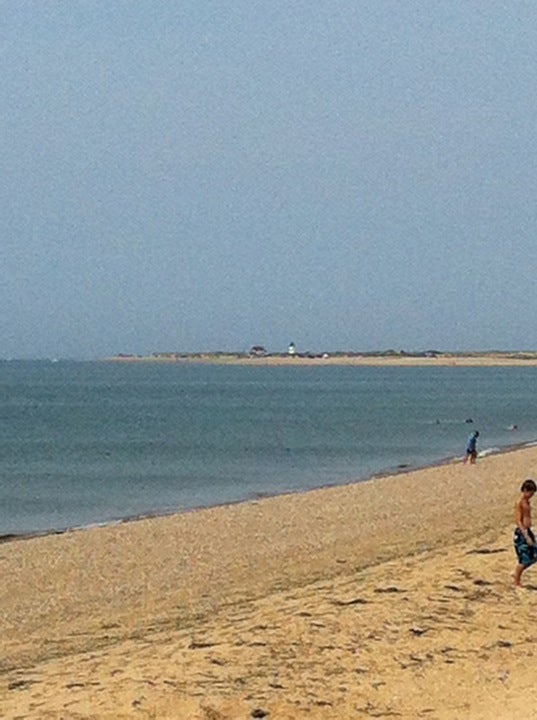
<point x="209" y="175"/>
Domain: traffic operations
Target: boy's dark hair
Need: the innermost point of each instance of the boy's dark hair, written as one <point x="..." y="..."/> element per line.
<point x="528" y="485"/>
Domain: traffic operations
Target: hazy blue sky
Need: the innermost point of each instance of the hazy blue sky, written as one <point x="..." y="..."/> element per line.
<point x="211" y="175"/>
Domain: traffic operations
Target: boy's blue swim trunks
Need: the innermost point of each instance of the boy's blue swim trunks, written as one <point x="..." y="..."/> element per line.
<point x="525" y="553"/>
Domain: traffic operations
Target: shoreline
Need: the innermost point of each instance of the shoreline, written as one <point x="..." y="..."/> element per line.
<point x="377" y="475"/>
<point x="401" y="582"/>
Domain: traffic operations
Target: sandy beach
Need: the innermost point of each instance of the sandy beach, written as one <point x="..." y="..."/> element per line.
<point x="500" y="359"/>
<point x="387" y="598"/>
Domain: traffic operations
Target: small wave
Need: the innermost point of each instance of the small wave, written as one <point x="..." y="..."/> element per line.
<point x="91" y="526"/>
<point x="488" y="451"/>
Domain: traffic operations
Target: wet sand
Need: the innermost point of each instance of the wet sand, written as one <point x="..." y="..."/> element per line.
<point x="388" y="598"/>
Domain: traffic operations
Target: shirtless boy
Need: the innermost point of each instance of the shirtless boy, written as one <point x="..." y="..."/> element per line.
<point x="524" y="538"/>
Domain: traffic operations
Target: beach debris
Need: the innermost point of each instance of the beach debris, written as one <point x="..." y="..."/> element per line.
<point x="375" y="711"/>
<point x="389" y="589"/>
<point x="354" y="601"/>
<point x="421" y="659"/>
<point x="486" y="551"/>
<point x="418" y="631"/>
<point x="212" y="714"/>
<point x="258" y="713"/>
<point x="195" y="645"/>
<point x="20" y="684"/>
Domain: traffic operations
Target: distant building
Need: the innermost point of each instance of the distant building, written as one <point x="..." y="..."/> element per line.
<point x="291" y="350"/>
<point x="258" y="351"/>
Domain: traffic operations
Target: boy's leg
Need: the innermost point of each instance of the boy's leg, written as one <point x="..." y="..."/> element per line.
<point x="518" y="574"/>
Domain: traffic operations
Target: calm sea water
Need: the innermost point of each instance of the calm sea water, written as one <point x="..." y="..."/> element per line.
<point x="84" y="443"/>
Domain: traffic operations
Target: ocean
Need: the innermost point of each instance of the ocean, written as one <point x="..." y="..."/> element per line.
<point x="84" y="443"/>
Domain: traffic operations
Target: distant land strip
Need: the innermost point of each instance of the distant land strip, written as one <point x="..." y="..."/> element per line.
<point x="402" y="358"/>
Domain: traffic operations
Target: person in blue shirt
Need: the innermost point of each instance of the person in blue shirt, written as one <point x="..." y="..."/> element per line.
<point x="471" y="448"/>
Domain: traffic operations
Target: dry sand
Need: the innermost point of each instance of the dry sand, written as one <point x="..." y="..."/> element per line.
<point x="390" y="598"/>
